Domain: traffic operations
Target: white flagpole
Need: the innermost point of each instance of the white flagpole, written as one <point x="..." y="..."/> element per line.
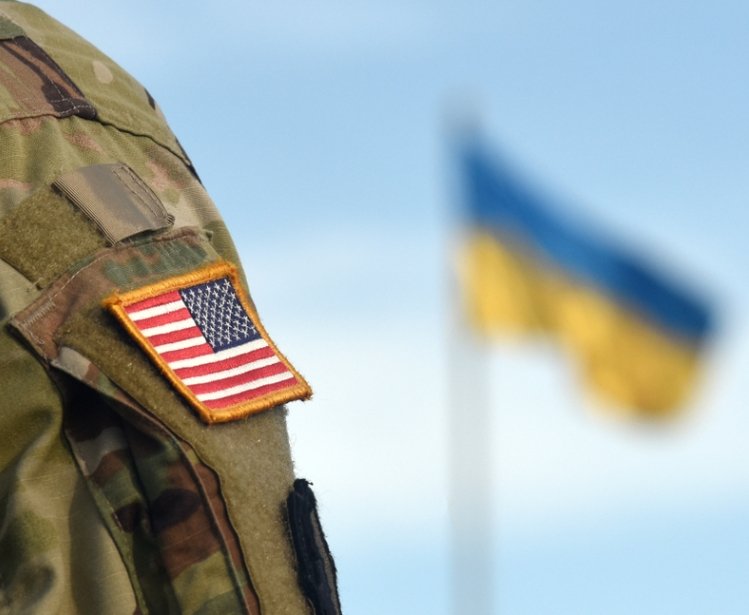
<point x="470" y="455"/>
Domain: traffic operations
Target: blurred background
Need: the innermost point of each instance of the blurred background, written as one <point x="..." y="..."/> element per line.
<point x="325" y="145"/>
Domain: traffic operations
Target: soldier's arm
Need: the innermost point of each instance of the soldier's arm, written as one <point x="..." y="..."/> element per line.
<point x="145" y="464"/>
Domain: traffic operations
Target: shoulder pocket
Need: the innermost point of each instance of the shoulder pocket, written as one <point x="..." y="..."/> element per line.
<point x="71" y="330"/>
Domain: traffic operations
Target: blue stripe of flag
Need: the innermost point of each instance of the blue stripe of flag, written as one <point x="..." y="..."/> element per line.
<point x="498" y="202"/>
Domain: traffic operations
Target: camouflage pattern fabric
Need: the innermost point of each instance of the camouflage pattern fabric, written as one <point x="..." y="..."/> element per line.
<point x="114" y="497"/>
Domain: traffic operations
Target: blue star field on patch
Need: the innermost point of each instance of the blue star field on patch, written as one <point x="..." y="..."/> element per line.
<point x="219" y="314"/>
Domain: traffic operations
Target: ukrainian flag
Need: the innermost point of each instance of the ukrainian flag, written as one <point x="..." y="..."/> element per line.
<point x="528" y="269"/>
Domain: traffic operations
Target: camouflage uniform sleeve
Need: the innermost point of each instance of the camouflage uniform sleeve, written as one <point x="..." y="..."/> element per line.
<point x="115" y="495"/>
<point x="54" y="549"/>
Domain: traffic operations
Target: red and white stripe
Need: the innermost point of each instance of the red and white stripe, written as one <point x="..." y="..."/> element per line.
<point x="217" y="379"/>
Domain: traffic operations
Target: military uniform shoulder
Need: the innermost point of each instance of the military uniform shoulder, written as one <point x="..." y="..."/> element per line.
<point x="50" y="70"/>
<point x="66" y="105"/>
<point x="125" y="285"/>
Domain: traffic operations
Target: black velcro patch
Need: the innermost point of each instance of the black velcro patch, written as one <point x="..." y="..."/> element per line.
<point x="315" y="567"/>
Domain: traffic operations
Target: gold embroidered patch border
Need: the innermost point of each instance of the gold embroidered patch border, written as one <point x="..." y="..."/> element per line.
<point x="202" y="332"/>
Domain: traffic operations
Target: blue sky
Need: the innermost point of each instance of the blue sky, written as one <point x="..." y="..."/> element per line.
<point x="321" y="132"/>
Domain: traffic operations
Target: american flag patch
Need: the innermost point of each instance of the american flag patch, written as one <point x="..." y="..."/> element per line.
<point x="206" y="338"/>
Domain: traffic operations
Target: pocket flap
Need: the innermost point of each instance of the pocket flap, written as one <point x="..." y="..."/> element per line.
<point x="251" y="456"/>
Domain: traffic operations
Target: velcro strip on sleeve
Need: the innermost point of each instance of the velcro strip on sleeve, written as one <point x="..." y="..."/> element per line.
<point x="115" y="199"/>
<point x="45" y="235"/>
